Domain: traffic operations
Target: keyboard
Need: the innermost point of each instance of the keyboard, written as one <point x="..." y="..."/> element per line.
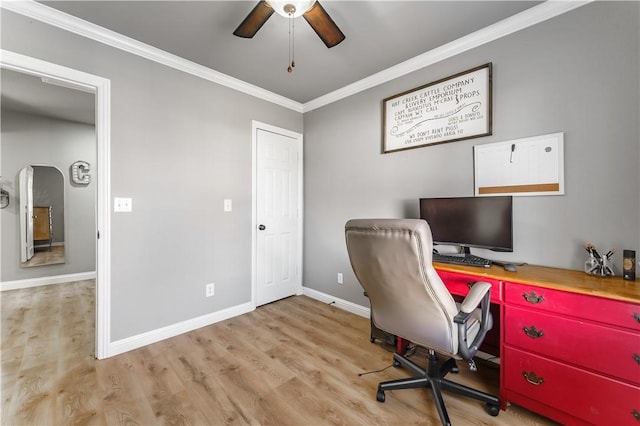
<point x="469" y="260"/>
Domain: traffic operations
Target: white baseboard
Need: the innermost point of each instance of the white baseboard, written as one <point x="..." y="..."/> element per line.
<point x="339" y="303"/>
<point x="153" y="336"/>
<point x="56" y="279"/>
<point x="59" y="244"/>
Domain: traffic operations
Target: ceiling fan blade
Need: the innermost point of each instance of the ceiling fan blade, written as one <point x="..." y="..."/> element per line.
<point x="323" y="25"/>
<point x="254" y="20"/>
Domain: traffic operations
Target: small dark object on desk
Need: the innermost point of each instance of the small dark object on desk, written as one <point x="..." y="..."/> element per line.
<point x="510" y="267"/>
<point x="507" y="266"/>
<point x="629" y="265"/>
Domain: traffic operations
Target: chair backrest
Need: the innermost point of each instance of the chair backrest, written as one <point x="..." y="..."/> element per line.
<point x="392" y="260"/>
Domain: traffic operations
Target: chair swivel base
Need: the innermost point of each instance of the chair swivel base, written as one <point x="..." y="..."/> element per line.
<point x="434" y="379"/>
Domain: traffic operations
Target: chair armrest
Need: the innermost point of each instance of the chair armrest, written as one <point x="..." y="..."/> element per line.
<point x="480" y="294"/>
<point x="473" y="299"/>
<point x="462" y="317"/>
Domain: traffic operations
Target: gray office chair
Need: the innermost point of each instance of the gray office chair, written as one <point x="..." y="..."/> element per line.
<point x="392" y="260"/>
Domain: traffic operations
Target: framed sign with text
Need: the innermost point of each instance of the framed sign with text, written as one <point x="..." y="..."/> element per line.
<point x="447" y="110"/>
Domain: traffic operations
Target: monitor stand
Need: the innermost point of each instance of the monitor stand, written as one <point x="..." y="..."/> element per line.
<point x="463" y="251"/>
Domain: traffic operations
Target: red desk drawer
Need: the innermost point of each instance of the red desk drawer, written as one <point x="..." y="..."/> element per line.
<point x="613" y="312"/>
<point x="459" y="284"/>
<point x="593" y="398"/>
<point x="604" y="349"/>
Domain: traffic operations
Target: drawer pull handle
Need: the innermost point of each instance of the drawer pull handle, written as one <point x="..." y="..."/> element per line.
<point x="532" y="378"/>
<point x="532" y="332"/>
<point x="636" y="316"/>
<point x="636" y="414"/>
<point x="637" y="358"/>
<point x="533" y="298"/>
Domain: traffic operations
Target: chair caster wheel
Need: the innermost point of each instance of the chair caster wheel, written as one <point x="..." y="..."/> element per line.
<point x="372" y="339"/>
<point x="492" y="410"/>
<point x="380" y="395"/>
<point x="396" y="364"/>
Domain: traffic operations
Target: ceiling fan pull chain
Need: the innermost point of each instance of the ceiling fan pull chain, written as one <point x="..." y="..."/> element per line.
<point x="293" y="42"/>
<point x="291" y="46"/>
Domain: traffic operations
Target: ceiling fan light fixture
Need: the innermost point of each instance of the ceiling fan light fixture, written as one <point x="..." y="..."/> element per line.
<point x="291" y="8"/>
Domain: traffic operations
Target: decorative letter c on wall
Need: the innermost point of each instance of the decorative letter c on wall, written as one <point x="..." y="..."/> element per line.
<point x="80" y="173"/>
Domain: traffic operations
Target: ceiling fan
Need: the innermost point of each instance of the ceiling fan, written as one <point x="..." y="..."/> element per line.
<point x="312" y="12"/>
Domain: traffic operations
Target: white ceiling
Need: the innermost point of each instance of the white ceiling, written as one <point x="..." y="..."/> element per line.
<point x="379" y="35"/>
<point x="30" y="95"/>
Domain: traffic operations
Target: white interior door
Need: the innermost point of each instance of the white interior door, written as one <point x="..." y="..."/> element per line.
<point x="25" y="183"/>
<point x="278" y="197"/>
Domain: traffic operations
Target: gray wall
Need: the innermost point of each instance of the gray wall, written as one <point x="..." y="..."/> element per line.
<point x="577" y="73"/>
<point x="180" y="145"/>
<point x="30" y="139"/>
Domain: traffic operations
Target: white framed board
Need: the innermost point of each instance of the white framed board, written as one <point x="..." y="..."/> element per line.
<point x="520" y="167"/>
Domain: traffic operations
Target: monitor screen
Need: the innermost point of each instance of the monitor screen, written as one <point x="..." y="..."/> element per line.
<point x="484" y="222"/>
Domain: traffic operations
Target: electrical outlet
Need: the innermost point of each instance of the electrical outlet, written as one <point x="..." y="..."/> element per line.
<point x="339" y="277"/>
<point x="122" y="204"/>
<point x="209" y="290"/>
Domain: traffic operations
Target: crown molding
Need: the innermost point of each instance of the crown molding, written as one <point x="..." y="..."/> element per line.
<point x="56" y="18"/>
<point x="542" y="12"/>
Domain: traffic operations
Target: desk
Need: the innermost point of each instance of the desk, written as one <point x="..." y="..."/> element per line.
<point x="569" y="343"/>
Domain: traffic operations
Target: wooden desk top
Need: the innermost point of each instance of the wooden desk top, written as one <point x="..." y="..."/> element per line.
<point x="555" y="278"/>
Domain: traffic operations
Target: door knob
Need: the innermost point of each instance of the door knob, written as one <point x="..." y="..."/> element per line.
<point x="262" y="227"/>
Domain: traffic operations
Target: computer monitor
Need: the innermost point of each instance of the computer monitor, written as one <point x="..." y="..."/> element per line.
<point x="483" y="222"/>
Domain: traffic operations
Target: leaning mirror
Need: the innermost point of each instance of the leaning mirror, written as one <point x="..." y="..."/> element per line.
<point x="41" y="189"/>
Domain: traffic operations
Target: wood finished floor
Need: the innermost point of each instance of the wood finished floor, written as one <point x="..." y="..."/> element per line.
<point x="44" y="256"/>
<point x="292" y="362"/>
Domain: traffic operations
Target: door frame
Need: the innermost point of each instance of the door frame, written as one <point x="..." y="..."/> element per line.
<point x="101" y="88"/>
<point x="255" y="127"/>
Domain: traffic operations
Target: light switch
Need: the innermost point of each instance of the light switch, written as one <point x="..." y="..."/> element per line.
<point x="122" y="204"/>
<point x="228" y="205"/>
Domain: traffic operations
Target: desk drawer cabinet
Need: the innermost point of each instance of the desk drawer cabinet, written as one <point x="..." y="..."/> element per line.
<point x="585" y="344"/>
<point x="589" y="397"/>
<point x="572" y="357"/>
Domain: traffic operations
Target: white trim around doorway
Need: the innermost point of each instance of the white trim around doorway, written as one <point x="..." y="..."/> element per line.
<point x="101" y="87"/>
